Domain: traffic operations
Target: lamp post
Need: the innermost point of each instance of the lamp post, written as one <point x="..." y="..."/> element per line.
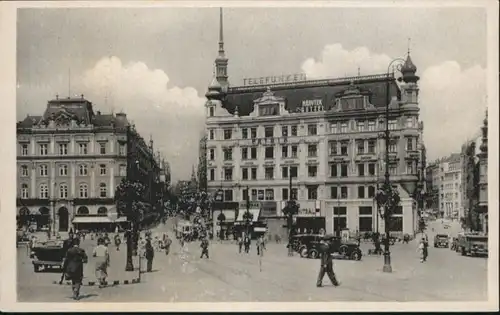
<point x="387" y="197"/>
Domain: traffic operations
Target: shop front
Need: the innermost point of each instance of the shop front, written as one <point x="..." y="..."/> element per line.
<point x="243" y="225"/>
<point x="223" y="218"/>
<point x="99" y="223"/>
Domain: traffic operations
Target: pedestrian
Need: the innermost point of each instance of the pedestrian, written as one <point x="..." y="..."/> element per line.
<point x="107" y="240"/>
<point x="426" y="248"/>
<point x="247" y="242"/>
<point x="204" y="248"/>
<point x="421" y="250"/>
<point x="156" y="243"/>
<point x="326" y="263"/>
<point x="258" y="246"/>
<point x="240" y="244"/>
<point x="167" y="242"/>
<point x="149" y="254"/>
<point x="118" y="241"/>
<point x="263" y="242"/>
<point x="102" y="262"/>
<point x="73" y="267"/>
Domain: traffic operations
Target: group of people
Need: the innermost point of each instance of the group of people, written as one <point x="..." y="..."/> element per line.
<point x="245" y="242"/>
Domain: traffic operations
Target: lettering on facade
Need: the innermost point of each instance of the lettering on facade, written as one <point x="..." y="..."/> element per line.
<point x="318" y="102"/>
<point x="252" y="205"/>
<point x="275" y="79"/>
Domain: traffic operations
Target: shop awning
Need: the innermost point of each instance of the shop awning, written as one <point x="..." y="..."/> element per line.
<point x="255" y="213"/>
<point x="97" y="219"/>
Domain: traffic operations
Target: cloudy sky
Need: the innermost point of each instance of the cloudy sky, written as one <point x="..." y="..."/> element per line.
<point x="155" y="63"/>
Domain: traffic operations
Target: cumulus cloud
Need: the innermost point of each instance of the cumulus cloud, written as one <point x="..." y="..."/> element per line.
<point x="452" y="99"/>
<point x="174" y="116"/>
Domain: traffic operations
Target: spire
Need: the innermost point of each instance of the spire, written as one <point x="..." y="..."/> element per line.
<point x="221" y="60"/>
<point x="484" y="138"/>
<point x="221" y="34"/>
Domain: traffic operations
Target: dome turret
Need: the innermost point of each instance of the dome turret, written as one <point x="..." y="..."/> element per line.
<point x="408" y="70"/>
<point x="214" y="89"/>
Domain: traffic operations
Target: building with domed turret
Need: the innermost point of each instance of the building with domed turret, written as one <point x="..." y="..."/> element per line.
<point x="326" y="135"/>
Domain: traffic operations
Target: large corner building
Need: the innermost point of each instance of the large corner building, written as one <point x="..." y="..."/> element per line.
<point x="326" y="134"/>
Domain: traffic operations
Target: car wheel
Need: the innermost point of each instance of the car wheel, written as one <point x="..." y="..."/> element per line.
<point x="356" y="255"/>
<point x="343" y="250"/>
<point x="303" y="252"/>
<point x="36" y="268"/>
<point x="313" y="254"/>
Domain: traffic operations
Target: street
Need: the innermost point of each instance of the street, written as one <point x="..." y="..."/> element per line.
<point x="228" y="276"/>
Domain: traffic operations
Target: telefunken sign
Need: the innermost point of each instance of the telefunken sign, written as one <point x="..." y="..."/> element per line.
<point x="275" y="79"/>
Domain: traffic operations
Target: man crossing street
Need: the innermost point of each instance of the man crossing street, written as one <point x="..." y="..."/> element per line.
<point x="204" y="247"/>
<point x="326" y="262"/>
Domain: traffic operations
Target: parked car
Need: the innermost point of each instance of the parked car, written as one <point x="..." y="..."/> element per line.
<point x="441" y="240"/>
<point x="305" y="244"/>
<point x="47" y="255"/>
<point x="472" y="244"/>
<point x="308" y="247"/>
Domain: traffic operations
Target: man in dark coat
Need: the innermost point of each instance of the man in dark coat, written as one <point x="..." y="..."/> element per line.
<point x="325" y="248"/>
<point x="150" y="254"/>
<point x="204" y="248"/>
<point x="247" y="242"/>
<point x="73" y="266"/>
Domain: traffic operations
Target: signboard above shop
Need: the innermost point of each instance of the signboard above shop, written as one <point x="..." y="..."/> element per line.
<point x="288" y="78"/>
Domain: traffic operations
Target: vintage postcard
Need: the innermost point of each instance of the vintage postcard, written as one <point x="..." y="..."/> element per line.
<point x="259" y="155"/>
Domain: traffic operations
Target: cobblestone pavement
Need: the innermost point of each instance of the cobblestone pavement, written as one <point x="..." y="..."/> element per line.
<point x="229" y="276"/>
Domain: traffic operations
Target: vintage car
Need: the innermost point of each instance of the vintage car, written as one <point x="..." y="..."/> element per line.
<point x="309" y="246"/>
<point x="48" y="254"/>
<point x="472" y="244"/>
<point x="441" y="240"/>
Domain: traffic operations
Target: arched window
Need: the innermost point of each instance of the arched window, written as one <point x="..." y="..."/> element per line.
<point x="24" y="170"/>
<point x="84" y="191"/>
<point x="102" y="210"/>
<point x="102" y="190"/>
<point x="63" y="170"/>
<point x="24" y="191"/>
<point x="83" y="170"/>
<point x="44" y="191"/>
<point x="63" y="191"/>
<point x="82" y="210"/>
<point x="43" y="170"/>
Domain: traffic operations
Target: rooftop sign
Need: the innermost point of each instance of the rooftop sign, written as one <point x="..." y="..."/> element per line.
<point x="275" y="79"/>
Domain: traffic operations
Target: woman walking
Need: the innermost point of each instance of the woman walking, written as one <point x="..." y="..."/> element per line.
<point x="421" y="250"/>
<point x="102" y="262"/>
<point x="73" y="266"/>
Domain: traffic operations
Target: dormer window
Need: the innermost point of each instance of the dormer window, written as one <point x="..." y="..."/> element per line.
<point x="352" y="103"/>
<point x="269" y="104"/>
<point x="269" y="110"/>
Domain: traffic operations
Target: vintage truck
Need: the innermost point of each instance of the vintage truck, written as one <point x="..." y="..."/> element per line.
<point x="472" y="244"/>
<point x="47" y="255"/>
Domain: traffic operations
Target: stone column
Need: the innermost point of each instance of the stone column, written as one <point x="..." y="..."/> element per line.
<point x="52" y="146"/>
<point x="92" y="180"/>
<point x="72" y="146"/>
<point x="71" y="215"/>
<point x="52" y="218"/>
<point x="33" y="147"/>
<point x="111" y="179"/>
<point x="52" y="181"/>
<point x="72" y="170"/>
<point x="33" y="181"/>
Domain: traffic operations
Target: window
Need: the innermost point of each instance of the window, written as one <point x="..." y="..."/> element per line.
<point x="333" y="170"/>
<point x="63" y="149"/>
<point x="211" y="134"/>
<point x="24" y="149"/>
<point x="122" y="149"/>
<point x="409" y="144"/>
<point x="409" y="122"/>
<point x="122" y="170"/>
<point x="227" y="134"/>
<point x="284" y="131"/>
<point x="393" y="124"/>
<point x="360" y="145"/>
<point x="312" y="170"/>
<point x="43" y="149"/>
<point x="365" y="224"/>
<point x="244" y="153"/>
<point x="312" y="130"/>
<point x="102" y="169"/>
<point x="260" y="194"/>
<point x="228" y="195"/>
<point x="294" y="151"/>
<point x="393" y="170"/>
<point x="339" y="218"/>
<point x="102" y="148"/>
<point x="102" y="190"/>
<point x="334" y="194"/>
<point x="269" y="194"/>
<point x="294" y="195"/>
<point x="269" y="153"/>
<point x="83" y="170"/>
<point x="254" y="173"/>
<point x="254" y="194"/>
<point x="371" y="125"/>
<point x="294" y="171"/>
<point x="284" y="172"/>
<point x="228" y="173"/>
<point x="43" y="170"/>
<point x="371" y="145"/>
<point x="371" y="192"/>
<point x="244" y="133"/>
<point x="396" y="224"/>
<point x="212" y="174"/>
<point x="371" y="169"/>
<point x="44" y="191"/>
<point x="343" y="147"/>
<point x="284" y="193"/>
<point x="284" y="151"/>
<point x="211" y="112"/>
<point x="84" y="191"/>
<point x="211" y="154"/>
<point x="269" y="132"/>
<point x="63" y="170"/>
<point x="228" y="154"/>
<point x="253" y="153"/>
<point x="334" y="128"/>
<point x="361" y="169"/>
<point x="343" y="193"/>
<point x="24" y="191"/>
<point x="343" y="170"/>
<point x="63" y="191"/>
<point x="409" y="167"/>
<point x="361" y="126"/>
<point x="361" y="192"/>
<point x="343" y="127"/>
<point x="332" y="145"/>
<point x="244" y="173"/>
<point x="312" y="150"/>
<point x="269" y="172"/>
<point x="294" y="131"/>
<point x="24" y="170"/>
<point x="393" y="145"/>
<point x="312" y="193"/>
<point x="253" y="133"/>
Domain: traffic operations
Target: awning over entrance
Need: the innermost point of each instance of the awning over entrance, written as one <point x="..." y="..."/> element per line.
<point x="255" y="213"/>
<point x="97" y="219"/>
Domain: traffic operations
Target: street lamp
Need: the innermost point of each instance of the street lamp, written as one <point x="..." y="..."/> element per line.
<point x="387" y="197"/>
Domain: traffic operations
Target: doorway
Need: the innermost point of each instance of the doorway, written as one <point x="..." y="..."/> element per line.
<point x="63" y="219"/>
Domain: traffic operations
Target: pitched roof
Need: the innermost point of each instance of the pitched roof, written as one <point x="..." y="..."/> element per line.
<point x="29" y="121"/>
<point x="327" y="90"/>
